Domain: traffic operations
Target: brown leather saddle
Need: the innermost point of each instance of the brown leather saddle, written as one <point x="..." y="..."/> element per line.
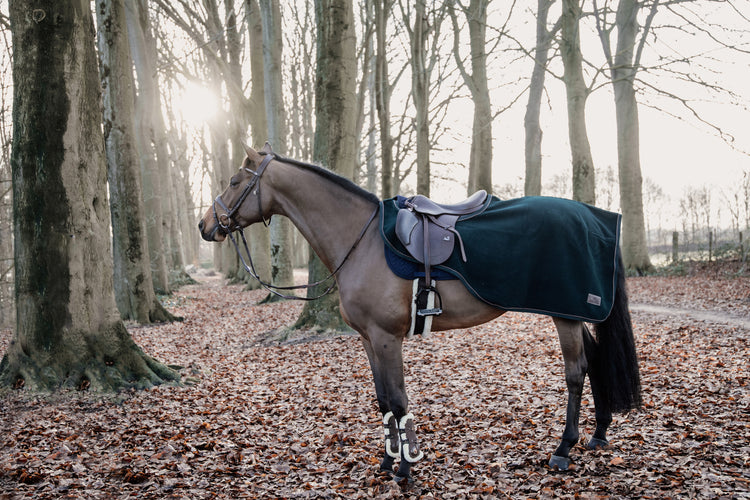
<point x="428" y="231"/>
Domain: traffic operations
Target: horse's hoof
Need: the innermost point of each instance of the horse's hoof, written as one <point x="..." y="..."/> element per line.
<point x="595" y="443"/>
<point x="403" y="480"/>
<point x="560" y="463"/>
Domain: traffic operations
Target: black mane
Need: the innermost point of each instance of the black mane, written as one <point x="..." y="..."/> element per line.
<point x="333" y="177"/>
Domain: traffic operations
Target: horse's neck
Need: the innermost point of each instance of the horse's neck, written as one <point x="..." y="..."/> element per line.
<point x="329" y="216"/>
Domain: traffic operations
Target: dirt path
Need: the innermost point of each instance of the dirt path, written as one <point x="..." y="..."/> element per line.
<point x="719" y="317"/>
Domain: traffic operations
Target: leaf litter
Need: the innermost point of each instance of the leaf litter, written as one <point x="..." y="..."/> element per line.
<point x="260" y="419"/>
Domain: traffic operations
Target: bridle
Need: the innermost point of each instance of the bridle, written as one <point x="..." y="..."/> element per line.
<point x="229" y="225"/>
<point x="226" y="220"/>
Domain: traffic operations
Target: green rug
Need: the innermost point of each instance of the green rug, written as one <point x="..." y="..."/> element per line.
<point x="535" y="254"/>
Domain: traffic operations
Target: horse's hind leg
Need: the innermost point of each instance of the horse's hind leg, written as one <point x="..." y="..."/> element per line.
<point x="571" y="341"/>
<point x="601" y="401"/>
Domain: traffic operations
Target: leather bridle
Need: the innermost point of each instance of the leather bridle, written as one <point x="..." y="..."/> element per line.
<point x="226" y="220"/>
<point x="229" y="225"/>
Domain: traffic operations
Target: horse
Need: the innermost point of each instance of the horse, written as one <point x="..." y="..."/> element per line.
<point x="336" y="217"/>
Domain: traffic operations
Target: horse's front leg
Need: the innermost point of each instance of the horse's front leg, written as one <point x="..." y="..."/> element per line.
<point x="386" y="360"/>
<point x="571" y="342"/>
<point x="390" y="425"/>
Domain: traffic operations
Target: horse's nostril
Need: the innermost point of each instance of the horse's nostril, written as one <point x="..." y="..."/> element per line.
<point x="200" y="226"/>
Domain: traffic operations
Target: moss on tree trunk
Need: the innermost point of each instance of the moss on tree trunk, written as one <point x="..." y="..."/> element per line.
<point x="68" y="331"/>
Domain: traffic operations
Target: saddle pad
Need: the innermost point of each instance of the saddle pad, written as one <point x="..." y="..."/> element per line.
<point x="535" y="254"/>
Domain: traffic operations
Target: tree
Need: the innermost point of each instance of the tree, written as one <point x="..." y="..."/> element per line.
<point x="260" y="239"/>
<point x="383" y="96"/>
<point x="134" y="288"/>
<point x="217" y="38"/>
<point x="149" y="145"/>
<point x="623" y="66"/>
<point x="68" y="330"/>
<point x="281" y="228"/>
<point x="480" y="162"/>
<point x="7" y="306"/>
<point x="532" y="128"/>
<point x="335" y="132"/>
<point x="584" y="188"/>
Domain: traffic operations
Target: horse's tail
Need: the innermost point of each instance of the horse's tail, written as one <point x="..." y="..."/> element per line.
<point x="615" y="363"/>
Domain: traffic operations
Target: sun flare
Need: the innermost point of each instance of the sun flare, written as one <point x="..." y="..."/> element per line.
<point x="197" y="104"/>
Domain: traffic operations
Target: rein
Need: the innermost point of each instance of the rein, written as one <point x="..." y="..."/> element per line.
<point x="229" y="225"/>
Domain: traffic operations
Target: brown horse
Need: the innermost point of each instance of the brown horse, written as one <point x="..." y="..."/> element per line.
<point x="336" y="218"/>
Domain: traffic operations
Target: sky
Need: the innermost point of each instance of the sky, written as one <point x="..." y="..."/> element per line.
<point x="677" y="151"/>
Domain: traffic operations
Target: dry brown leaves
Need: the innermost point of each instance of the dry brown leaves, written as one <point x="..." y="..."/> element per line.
<point x="299" y="420"/>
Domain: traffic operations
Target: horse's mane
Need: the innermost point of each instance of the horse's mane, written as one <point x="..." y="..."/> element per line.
<point x="335" y="178"/>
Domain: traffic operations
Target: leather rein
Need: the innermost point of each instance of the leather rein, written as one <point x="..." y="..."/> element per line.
<point x="229" y="225"/>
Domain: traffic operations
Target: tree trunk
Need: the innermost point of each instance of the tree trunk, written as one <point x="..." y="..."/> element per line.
<point x="420" y="83"/>
<point x="533" y="130"/>
<point x="68" y="331"/>
<point x="577" y="93"/>
<point x="134" y="288"/>
<point x="383" y="97"/>
<point x="7" y="305"/>
<point x="281" y="227"/>
<point x="634" y="245"/>
<point x="480" y="166"/>
<point x="371" y="167"/>
<point x="260" y="239"/>
<point x="147" y="101"/>
<point x="335" y="130"/>
<point x="480" y="161"/>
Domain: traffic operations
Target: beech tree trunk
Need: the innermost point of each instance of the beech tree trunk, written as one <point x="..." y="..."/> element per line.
<point x="584" y="188"/>
<point x="68" y="331"/>
<point x="259" y="236"/>
<point x="634" y="243"/>
<point x="480" y="162"/>
<point x="335" y="134"/>
<point x="134" y="288"/>
<point x="533" y="130"/>
<point x="281" y="227"/>
<point x="420" y="83"/>
<point x="383" y="97"/>
<point x="147" y="101"/>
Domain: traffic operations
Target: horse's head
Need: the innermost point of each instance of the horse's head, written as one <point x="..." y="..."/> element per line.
<point x="239" y="205"/>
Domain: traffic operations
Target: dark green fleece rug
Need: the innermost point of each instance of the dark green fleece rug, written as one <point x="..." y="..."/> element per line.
<point x="535" y="254"/>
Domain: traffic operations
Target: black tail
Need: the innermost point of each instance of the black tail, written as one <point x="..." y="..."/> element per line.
<point x="615" y="363"/>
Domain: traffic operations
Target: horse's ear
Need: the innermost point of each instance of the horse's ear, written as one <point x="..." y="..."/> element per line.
<point x="250" y="151"/>
<point x="266" y="148"/>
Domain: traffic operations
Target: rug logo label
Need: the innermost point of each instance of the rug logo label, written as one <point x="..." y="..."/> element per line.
<point x="594" y="300"/>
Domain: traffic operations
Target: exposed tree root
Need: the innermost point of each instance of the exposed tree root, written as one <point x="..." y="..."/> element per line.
<point x="106" y="361"/>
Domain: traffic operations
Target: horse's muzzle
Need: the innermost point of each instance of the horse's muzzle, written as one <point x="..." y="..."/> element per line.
<point x="211" y="236"/>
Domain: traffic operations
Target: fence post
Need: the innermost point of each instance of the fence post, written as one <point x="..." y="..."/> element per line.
<point x="675" y="245"/>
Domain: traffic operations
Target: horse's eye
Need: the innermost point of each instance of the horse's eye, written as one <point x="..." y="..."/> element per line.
<point x="234" y="182"/>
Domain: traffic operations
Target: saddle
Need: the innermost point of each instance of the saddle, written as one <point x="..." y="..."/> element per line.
<point x="428" y="231"/>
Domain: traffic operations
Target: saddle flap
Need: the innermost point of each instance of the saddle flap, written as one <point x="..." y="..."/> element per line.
<point x="410" y="231"/>
<point x="406" y="223"/>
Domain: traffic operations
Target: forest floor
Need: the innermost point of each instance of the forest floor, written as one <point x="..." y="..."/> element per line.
<point x="263" y="419"/>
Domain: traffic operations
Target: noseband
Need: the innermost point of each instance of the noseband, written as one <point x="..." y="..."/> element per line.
<point x="226" y="221"/>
